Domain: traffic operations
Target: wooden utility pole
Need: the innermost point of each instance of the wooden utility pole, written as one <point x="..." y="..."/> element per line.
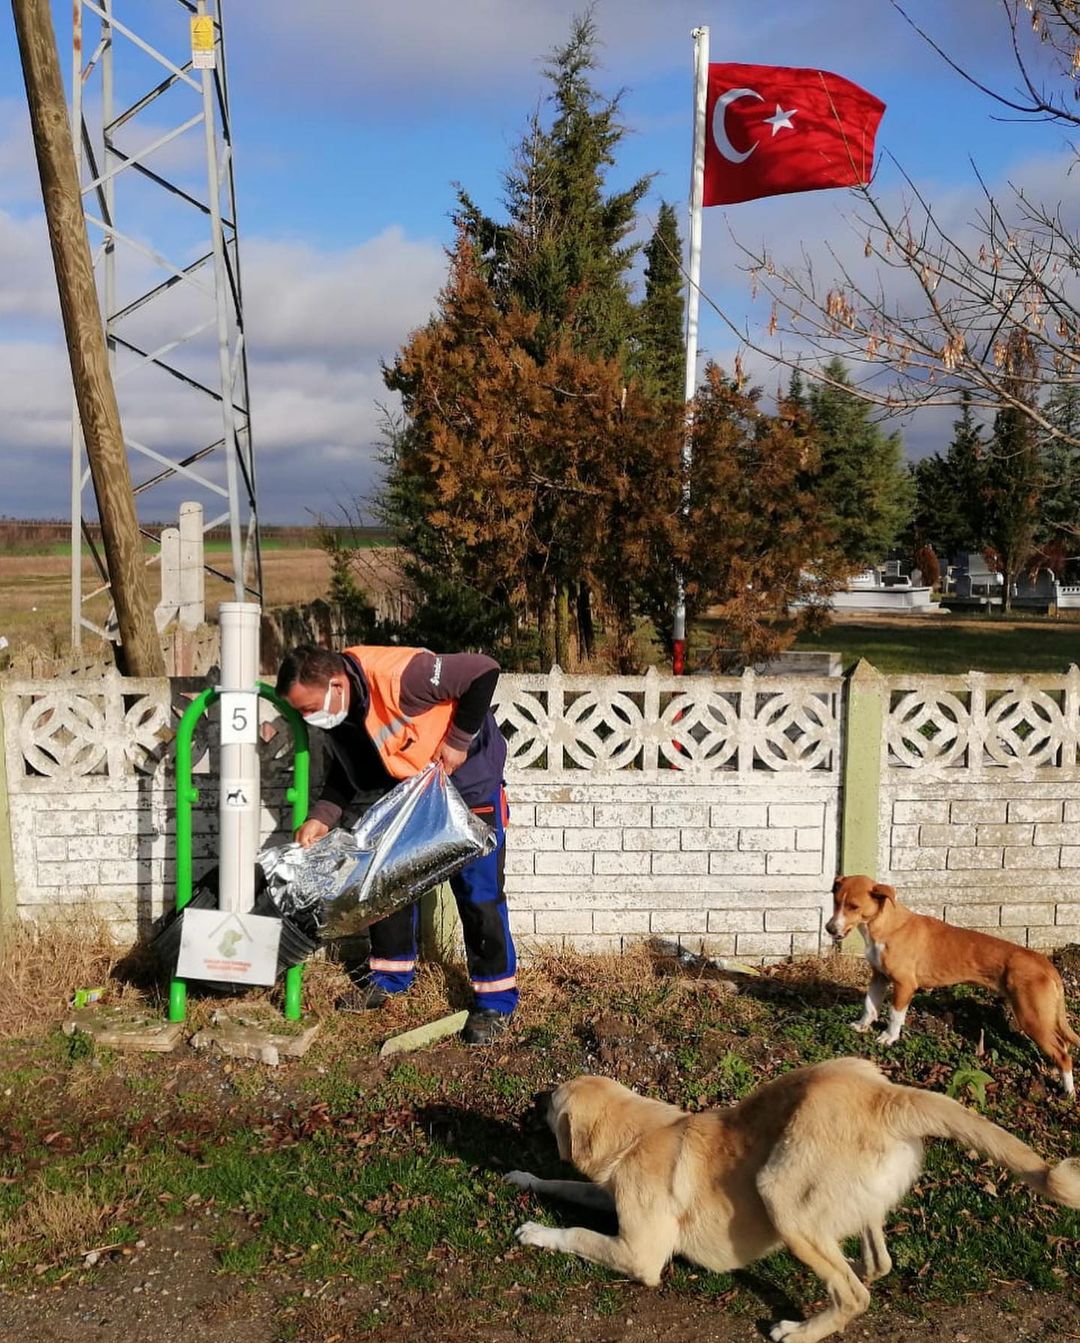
<point x="94" y="391"/>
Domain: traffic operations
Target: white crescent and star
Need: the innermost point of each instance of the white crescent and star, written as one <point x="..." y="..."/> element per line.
<point x="779" y="121"/>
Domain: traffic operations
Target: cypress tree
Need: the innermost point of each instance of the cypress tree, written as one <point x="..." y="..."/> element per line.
<point x="660" y="359"/>
<point x="863" y="487"/>
<point x="1014" y="469"/>
<point x="563" y="253"/>
<point x="950" y="491"/>
<point x="1060" y="520"/>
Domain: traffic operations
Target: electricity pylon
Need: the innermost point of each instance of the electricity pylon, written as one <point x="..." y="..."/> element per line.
<point x="150" y="115"/>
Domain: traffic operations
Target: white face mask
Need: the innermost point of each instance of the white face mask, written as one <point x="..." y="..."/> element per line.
<point x="323" y="717"/>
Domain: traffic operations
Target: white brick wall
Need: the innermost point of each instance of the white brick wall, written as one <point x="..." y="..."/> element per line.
<point x="992" y="855"/>
<point x="984" y="833"/>
<point x="693" y="845"/>
<point x="704" y="811"/>
<point x="700" y="863"/>
<point x="107" y="835"/>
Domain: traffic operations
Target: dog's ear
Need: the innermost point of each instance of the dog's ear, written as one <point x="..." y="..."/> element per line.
<point x="573" y="1136"/>
<point x="883" y="892"/>
<point x="564" y="1136"/>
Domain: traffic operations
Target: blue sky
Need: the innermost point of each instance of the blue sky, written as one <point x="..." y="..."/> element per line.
<point x="352" y="122"/>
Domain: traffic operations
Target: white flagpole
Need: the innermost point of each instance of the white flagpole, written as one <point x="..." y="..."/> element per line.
<point x="697" y="186"/>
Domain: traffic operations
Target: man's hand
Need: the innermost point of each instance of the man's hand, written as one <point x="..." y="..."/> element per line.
<point x="309" y="832"/>
<point x="450" y="757"/>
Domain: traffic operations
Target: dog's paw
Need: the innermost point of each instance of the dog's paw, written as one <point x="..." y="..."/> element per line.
<point x="521" y="1178"/>
<point x="887" y="1041"/>
<point x="861" y="1026"/>
<point x="532" y="1233"/>
<point x="786" y="1329"/>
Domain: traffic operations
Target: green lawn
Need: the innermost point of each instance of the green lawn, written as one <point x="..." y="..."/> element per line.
<point x="939" y="645"/>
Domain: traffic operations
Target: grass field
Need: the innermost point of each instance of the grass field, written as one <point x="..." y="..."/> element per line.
<point x="342" y="1196"/>
<point x="35" y="591"/>
<point x="212" y="547"/>
<point x="948" y="645"/>
<point x="34" y="609"/>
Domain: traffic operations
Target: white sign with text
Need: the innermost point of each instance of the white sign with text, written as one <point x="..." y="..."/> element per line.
<point x="232" y="948"/>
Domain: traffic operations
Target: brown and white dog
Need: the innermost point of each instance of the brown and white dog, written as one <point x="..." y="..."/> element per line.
<point x="913" y="951"/>
<point x="805" y="1161"/>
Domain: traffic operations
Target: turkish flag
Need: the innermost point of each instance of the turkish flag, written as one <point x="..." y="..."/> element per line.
<point x="771" y="129"/>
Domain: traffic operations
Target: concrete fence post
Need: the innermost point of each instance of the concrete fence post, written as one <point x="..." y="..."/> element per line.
<point x="861" y="771"/>
<point x="7" y="855"/>
<point x="440" y="928"/>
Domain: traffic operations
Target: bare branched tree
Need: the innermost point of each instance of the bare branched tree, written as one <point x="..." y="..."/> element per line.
<point x="938" y="310"/>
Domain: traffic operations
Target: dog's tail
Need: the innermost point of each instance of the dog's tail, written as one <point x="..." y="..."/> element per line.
<point x="927" y="1114"/>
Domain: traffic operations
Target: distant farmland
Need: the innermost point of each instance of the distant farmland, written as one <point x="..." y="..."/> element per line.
<point x="35" y="576"/>
<point x="50" y="536"/>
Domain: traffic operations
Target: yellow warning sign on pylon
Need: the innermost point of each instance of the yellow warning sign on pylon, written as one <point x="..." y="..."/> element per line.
<point x="202" y="42"/>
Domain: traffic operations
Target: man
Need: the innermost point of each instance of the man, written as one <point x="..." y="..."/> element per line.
<point x="387" y="713"/>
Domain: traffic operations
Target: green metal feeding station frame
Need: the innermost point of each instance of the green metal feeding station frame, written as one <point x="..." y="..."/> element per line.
<point x="239" y="832"/>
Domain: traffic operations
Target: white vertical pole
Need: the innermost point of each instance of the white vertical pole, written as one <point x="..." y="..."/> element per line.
<point x="240" y="804"/>
<point x="697" y="185"/>
<point x="192" y="576"/>
<point x="169" y="564"/>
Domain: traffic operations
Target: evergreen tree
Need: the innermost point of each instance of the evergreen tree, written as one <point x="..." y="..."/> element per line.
<point x="561" y="259"/>
<point x="755" y="547"/>
<point x="950" y="490"/>
<point x="563" y="253"/>
<point x="863" y="487"/>
<point x="1014" y="470"/>
<point x="517" y="480"/>
<point x="1060" y="514"/>
<point x="356" y="613"/>
<point x="967" y="461"/>
<point x="661" y="344"/>
<point x="533" y="469"/>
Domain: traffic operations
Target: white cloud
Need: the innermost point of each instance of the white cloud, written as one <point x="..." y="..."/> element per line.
<point x="321" y="322"/>
<point x="407" y="59"/>
<point x="28" y="291"/>
<point x="338" y="307"/>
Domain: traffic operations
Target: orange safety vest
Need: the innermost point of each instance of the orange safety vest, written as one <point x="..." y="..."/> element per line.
<point x="406" y="745"/>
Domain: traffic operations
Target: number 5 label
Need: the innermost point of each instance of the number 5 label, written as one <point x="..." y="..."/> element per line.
<point x="239" y="717"/>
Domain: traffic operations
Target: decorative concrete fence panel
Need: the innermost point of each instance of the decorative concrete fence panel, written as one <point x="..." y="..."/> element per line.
<point x="980" y="801"/>
<point x="700" y="810"/>
<point x="91" y="806"/>
<point x="709" y="811"/>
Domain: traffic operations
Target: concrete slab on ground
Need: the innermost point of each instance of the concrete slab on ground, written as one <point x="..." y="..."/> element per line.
<point x="266" y="1041"/>
<point x="124" y="1028"/>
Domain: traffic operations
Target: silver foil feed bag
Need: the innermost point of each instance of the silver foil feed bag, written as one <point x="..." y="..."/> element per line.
<point x="418" y="835"/>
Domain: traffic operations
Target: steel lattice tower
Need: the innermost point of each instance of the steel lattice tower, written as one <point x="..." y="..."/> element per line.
<point x="150" y="115"/>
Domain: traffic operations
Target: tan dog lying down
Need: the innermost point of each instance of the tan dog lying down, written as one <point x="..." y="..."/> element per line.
<point x="911" y="951"/>
<point x="816" y="1156"/>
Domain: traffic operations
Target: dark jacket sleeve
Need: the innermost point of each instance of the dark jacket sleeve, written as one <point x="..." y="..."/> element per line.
<point x="337" y="793"/>
<point x="468" y="678"/>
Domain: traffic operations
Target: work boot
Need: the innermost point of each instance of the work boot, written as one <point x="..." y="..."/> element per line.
<point x="366" y="997"/>
<point x="484" y="1025"/>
